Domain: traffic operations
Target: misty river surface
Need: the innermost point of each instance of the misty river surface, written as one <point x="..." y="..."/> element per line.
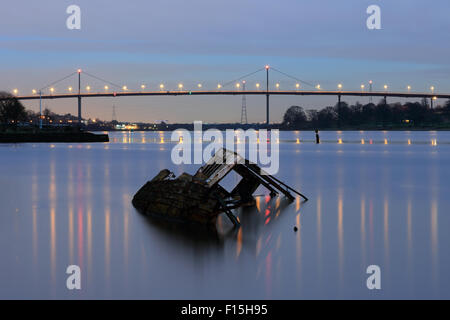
<point x="376" y="198"/>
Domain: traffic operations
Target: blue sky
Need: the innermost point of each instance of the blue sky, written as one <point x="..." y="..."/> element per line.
<point x="172" y="41"/>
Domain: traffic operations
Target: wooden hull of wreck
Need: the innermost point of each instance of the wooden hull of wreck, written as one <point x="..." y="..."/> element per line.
<point x="177" y="200"/>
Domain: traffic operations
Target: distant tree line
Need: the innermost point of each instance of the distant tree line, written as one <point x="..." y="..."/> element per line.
<point x="340" y="116"/>
<point x="11" y="109"/>
<point x="13" y="114"/>
<point x="381" y="115"/>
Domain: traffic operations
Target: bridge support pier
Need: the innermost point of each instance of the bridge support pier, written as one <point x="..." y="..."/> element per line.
<point x="79" y="111"/>
<point x="40" y="109"/>
<point x="339" y="111"/>
<point x="79" y="98"/>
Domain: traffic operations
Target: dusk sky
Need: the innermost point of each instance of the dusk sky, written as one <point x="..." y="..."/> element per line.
<point x="207" y="41"/>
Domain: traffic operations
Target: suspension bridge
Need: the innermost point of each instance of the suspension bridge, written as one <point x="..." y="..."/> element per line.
<point x="266" y="89"/>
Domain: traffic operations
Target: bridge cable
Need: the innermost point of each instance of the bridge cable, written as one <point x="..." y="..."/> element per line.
<point x="292" y="77"/>
<point x="60" y="80"/>
<point x="247" y="75"/>
<point x="103" y="80"/>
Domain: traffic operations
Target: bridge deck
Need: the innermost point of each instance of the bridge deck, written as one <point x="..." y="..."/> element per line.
<point x="230" y="93"/>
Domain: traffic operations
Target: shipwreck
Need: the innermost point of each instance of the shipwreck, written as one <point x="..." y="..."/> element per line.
<point x="200" y="198"/>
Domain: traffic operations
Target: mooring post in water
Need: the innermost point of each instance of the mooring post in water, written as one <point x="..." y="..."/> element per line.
<point x="317" y="137"/>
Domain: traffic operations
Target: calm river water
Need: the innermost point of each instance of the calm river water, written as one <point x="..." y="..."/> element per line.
<point x="376" y="198"/>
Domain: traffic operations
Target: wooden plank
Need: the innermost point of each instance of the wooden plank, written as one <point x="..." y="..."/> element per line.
<point x="267" y="178"/>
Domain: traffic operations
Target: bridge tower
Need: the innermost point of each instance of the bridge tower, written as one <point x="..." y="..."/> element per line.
<point x="244" y="106"/>
<point x="79" y="97"/>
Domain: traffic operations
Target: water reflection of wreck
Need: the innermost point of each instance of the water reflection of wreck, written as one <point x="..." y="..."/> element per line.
<point x="200" y="198"/>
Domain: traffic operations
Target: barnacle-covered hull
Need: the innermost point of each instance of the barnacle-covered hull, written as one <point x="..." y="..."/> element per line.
<point x="177" y="200"/>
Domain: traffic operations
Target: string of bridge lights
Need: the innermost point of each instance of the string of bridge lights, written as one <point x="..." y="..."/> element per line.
<point x="239" y="85"/>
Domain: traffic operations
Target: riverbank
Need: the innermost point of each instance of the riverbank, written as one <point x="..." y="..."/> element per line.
<point x="259" y="126"/>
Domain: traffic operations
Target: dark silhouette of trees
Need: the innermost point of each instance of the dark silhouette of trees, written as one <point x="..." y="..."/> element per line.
<point x="48" y="115"/>
<point x="370" y="115"/>
<point x="446" y="109"/>
<point x="327" y="117"/>
<point x="294" y="116"/>
<point x="11" y="110"/>
<point x="343" y="112"/>
<point x="383" y="112"/>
